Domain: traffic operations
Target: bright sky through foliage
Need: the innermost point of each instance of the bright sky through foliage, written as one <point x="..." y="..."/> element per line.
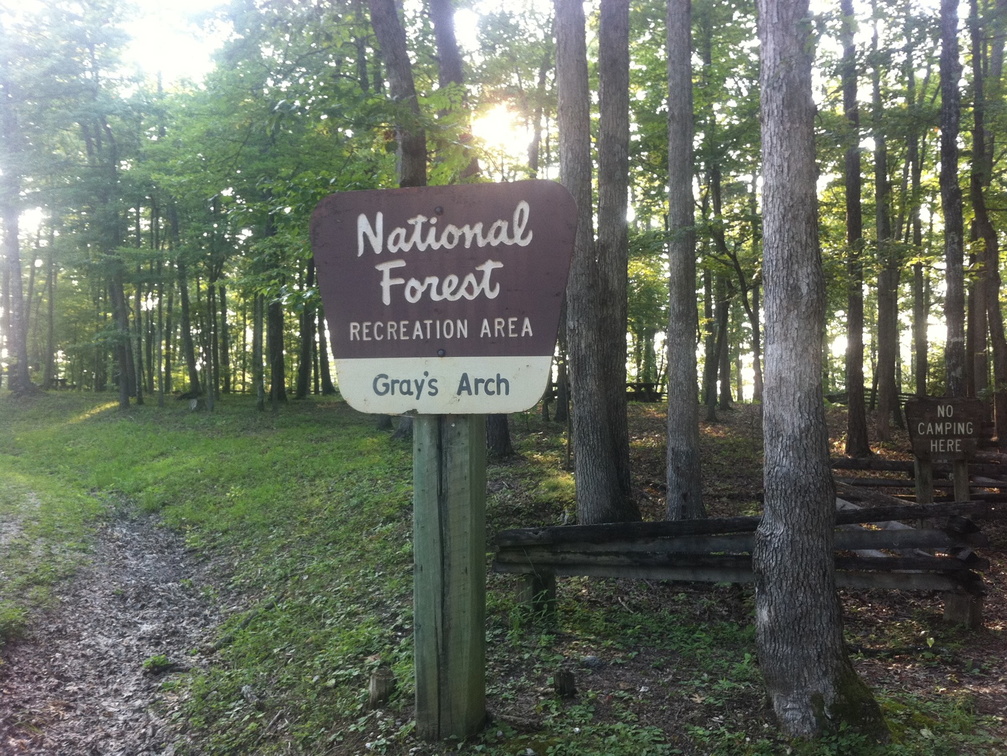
<point x="167" y="38"/>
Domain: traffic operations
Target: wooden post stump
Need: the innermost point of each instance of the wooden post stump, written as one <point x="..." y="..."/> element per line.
<point x="449" y="580"/>
<point x="538" y="593"/>
<point x="963" y="609"/>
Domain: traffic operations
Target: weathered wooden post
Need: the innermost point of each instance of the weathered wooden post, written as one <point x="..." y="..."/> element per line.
<point x="449" y="576"/>
<point x="444" y="303"/>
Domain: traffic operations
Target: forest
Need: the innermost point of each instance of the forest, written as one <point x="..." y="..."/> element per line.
<point x="155" y="237"/>
<point x="823" y="181"/>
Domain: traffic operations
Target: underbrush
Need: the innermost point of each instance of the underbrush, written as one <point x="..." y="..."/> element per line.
<point x="306" y="513"/>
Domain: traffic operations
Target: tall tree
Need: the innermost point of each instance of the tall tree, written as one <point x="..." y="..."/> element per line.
<point x="601" y="471"/>
<point x="810" y="680"/>
<point x="987" y="65"/>
<point x="684" y="498"/>
<point x="857" y="444"/>
<point x="12" y="144"/>
<point x="411" y="137"/>
<point x="951" y="201"/>
<point x="307" y="347"/>
<point x="613" y="234"/>
<point x="914" y="158"/>
<point x="888" y="259"/>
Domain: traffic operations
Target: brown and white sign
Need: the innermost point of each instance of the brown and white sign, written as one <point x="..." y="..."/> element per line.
<point x="444" y="300"/>
<point x="944" y="429"/>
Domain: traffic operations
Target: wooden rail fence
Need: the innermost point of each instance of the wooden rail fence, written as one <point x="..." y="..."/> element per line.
<point x="874" y="548"/>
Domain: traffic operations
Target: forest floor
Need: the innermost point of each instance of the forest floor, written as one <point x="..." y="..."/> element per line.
<point x="89" y="677"/>
<point x="899" y="641"/>
<point x="85" y="680"/>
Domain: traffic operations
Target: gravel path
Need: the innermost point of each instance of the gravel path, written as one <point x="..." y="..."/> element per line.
<point x="78" y="684"/>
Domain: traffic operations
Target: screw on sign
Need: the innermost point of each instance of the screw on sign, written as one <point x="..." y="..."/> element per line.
<point x="444" y="300"/>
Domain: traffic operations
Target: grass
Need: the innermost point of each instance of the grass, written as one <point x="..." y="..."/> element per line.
<point x="307" y="513"/>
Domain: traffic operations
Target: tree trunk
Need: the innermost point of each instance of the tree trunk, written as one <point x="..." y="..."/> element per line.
<point x="168" y="339"/>
<point x="888" y="278"/>
<point x="328" y="389"/>
<point x="137" y="338"/>
<point x="120" y="318"/>
<point x="988" y="286"/>
<point x="498" y="441"/>
<point x="308" y="319"/>
<point x="603" y="493"/>
<point x="449" y="66"/>
<point x="685" y="494"/>
<point x="18" y="379"/>
<point x="258" y="332"/>
<point x="724" y="341"/>
<point x="709" y="348"/>
<point x="185" y="326"/>
<point x="613" y="233"/>
<point x="49" y="377"/>
<point x="951" y="201"/>
<point x="810" y="680"/>
<point x="857" y="444"/>
<point x="223" y="341"/>
<point x="275" y="353"/>
<point x="410" y="135"/>
<point x="16" y="321"/>
<point x="921" y="306"/>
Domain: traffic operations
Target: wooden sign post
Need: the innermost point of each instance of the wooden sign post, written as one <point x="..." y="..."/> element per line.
<point x="444" y="303"/>
<point x="449" y="552"/>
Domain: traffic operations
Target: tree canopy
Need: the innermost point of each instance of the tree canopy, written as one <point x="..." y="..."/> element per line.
<point x="149" y="216"/>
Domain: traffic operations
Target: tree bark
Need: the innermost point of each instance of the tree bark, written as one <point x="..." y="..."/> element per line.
<point x="498" y="440"/>
<point x="603" y="493"/>
<point x="613" y="233"/>
<point x="275" y="353"/>
<point x="810" y="680"/>
<point x="16" y="321"/>
<point x="410" y="136"/>
<point x="888" y="277"/>
<point x="18" y="379"/>
<point x="921" y="305"/>
<point x="185" y="325"/>
<point x="683" y="469"/>
<point x="709" y="387"/>
<point x="308" y="320"/>
<point x="258" y="331"/>
<point x="951" y="201"/>
<point x="988" y="285"/>
<point x="857" y="444"/>
<point x="328" y="389"/>
<point x="450" y="71"/>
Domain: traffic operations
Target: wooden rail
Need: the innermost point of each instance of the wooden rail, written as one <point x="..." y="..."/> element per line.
<point x="938" y="557"/>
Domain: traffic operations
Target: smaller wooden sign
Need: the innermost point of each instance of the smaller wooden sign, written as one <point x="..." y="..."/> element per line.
<point x="944" y="429"/>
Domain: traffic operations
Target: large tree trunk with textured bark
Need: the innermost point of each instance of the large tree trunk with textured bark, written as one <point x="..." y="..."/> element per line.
<point x="685" y="497"/>
<point x="811" y="683"/>
<point x="601" y="461"/>
<point x="857" y="444"/>
<point x="951" y="201"/>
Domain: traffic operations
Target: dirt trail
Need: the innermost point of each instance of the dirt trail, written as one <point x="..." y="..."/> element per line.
<point x="78" y="684"/>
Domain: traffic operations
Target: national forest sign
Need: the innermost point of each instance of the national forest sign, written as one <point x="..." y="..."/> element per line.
<point x="444" y="300"/>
